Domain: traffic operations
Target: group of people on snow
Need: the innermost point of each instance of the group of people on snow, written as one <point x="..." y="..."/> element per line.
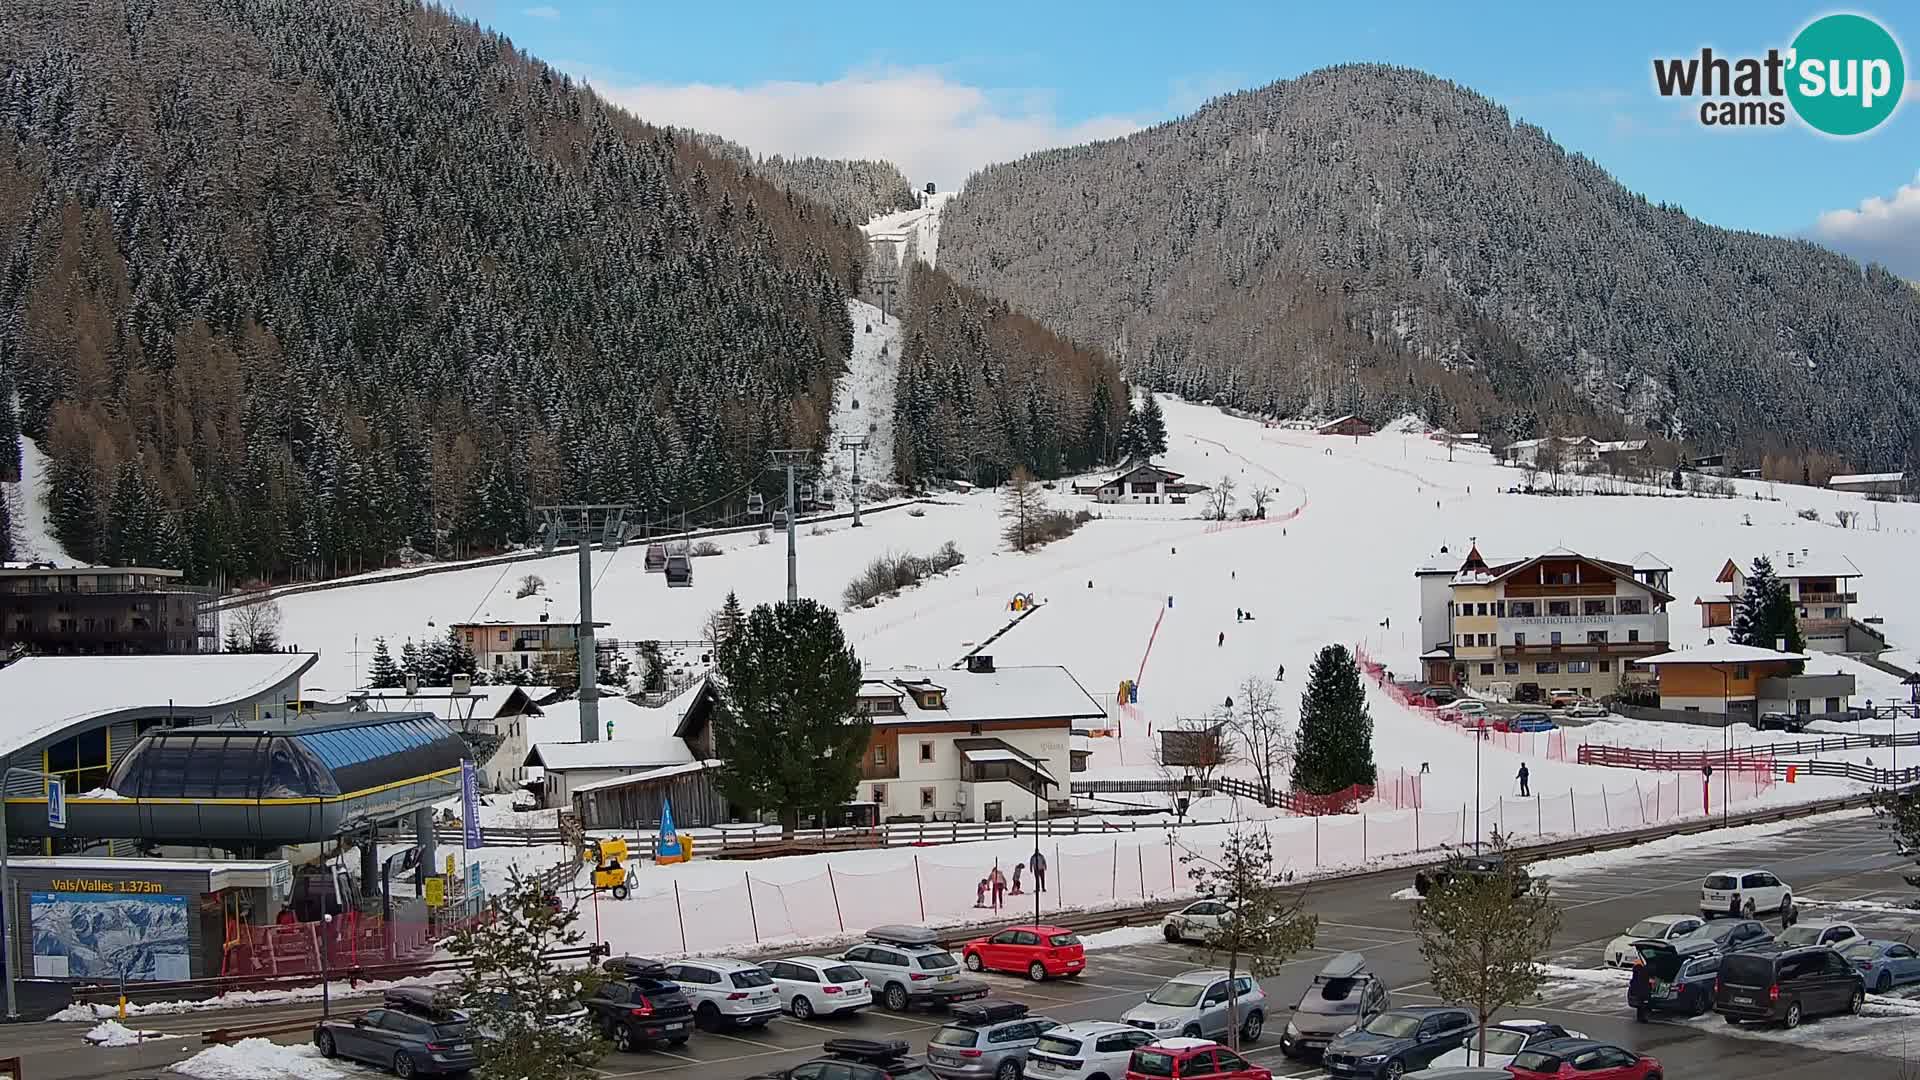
<point x="993" y="889"/>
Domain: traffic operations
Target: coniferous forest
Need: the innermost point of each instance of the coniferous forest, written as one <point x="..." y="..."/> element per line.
<point x="290" y="286"/>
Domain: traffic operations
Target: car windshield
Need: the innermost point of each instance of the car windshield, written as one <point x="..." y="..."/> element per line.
<point x="1393" y="1025"/>
<point x="1721" y="881"/>
<point x="1649" y="928"/>
<point x="449" y="1032"/>
<point x="1503" y="1042"/>
<point x="1058" y="1044"/>
<point x="1151" y="1063"/>
<point x="933" y="960"/>
<point x="955" y="1036"/>
<point x="1801" y="935"/>
<point x="841" y="973"/>
<point x="1180" y="994"/>
<point x="753" y="977"/>
<point x="1061" y="941"/>
<point x="1535" y="1061"/>
<point x="1860" y="950"/>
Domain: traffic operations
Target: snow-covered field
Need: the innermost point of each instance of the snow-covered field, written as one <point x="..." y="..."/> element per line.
<point x="915" y="234"/>
<point x="863" y="401"/>
<point x="33" y="536"/>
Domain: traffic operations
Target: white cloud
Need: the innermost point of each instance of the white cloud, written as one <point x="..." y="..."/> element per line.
<point x="933" y="128"/>
<point x="544" y="11"/>
<point x="1882" y="230"/>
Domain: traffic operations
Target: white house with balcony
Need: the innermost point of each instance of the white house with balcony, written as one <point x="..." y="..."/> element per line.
<point x="1824" y="589"/>
<point x="1527" y="626"/>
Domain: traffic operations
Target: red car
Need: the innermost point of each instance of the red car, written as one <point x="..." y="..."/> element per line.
<point x="1037" y="952"/>
<point x="1582" y="1059"/>
<point x="1191" y="1059"/>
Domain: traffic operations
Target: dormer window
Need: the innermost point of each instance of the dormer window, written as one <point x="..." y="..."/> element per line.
<point x="932" y="699"/>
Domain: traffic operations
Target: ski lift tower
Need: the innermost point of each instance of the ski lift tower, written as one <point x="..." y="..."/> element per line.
<point x="585" y="524"/>
<point x="855" y="443"/>
<point x="791" y="461"/>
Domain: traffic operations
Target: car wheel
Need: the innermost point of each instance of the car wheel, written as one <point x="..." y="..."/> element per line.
<point x="1792" y="1019"/>
<point x="1855" y="1002"/>
<point x="802" y="1009"/>
<point x="707" y="1016"/>
<point x="1884" y="983"/>
<point x="1037" y="971"/>
<point x="623" y="1038"/>
<point x="677" y="1041"/>
<point x="1395" y="1070"/>
<point x="1250" y="1030"/>
<point x="973" y="961"/>
<point x="1192" y="1032"/>
<point x="1008" y="1070"/>
<point x="1288" y="1052"/>
<point x="403" y="1066"/>
<point x="1172" y="934"/>
<point x="897" y="997"/>
<point x="324" y="1041"/>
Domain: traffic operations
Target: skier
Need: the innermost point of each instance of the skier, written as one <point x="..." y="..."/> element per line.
<point x="999" y="887"/>
<point x="980" y="894"/>
<point x="1239" y="616"/>
<point x="1229" y="702"/>
<point x="1280" y="673"/>
<point x="1524" y="792"/>
<point x="1223" y="638"/>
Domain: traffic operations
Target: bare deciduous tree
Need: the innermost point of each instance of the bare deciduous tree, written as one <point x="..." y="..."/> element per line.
<point x="530" y="585"/>
<point x="1259" y="724"/>
<point x="253" y="628"/>
<point x="1021" y="507"/>
<point x="1261" y="496"/>
<point x="1220" y="499"/>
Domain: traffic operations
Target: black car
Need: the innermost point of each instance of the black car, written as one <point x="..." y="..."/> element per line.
<point x="416" y="999"/>
<point x="408" y="1045"/>
<point x="1673" y="977"/>
<point x="857" y="1059"/>
<point x="641" y="1006"/>
<point x="1397" y="1042"/>
<point x="1475" y="866"/>
<point x="1786" y="984"/>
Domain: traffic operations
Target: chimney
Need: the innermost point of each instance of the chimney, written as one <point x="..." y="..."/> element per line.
<point x="411" y="683"/>
<point x="980" y="664"/>
<point x="462" y="683"/>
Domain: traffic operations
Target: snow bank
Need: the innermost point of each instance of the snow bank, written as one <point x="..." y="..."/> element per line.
<point x="1123" y="937"/>
<point x="114" y="1033"/>
<point x="258" y="1059"/>
<point x="80" y="1012"/>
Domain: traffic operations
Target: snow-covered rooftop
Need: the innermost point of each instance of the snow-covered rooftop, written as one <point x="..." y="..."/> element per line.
<point x="482" y="703"/>
<point x="1724" y="653"/>
<point x="639" y="753"/>
<point x="48" y="694"/>
<point x="1006" y="693"/>
<point x="1647" y="560"/>
<point x="1867" y="478"/>
<point x="559" y="722"/>
<point x="663" y="773"/>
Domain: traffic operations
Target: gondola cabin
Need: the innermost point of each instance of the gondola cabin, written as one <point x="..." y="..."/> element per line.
<point x="679" y="572"/>
<point x="656" y="558"/>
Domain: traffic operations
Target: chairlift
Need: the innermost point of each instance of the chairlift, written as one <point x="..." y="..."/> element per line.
<point x="806" y="494"/>
<point x="656" y="558"/>
<point x="780" y="518"/>
<point x="756" y="505"/>
<point x="679" y="572"/>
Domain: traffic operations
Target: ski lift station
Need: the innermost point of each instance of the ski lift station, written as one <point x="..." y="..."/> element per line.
<point x="204" y="780"/>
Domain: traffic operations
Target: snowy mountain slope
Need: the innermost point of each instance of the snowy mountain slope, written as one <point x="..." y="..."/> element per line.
<point x="863" y="401"/>
<point x="914" y="234"/>
<point x="1348" y="523"/>
<point x="33" y="535"/>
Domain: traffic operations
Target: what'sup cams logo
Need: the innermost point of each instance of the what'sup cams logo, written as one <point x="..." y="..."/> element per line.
<point x="1843" y="75"/>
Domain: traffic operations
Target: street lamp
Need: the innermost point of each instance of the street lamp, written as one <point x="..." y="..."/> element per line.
<point x="326" y="965"/>
<point x="1479" y="737"/>
<point x="6" y="879"/>
<point x="1912" y="682"/>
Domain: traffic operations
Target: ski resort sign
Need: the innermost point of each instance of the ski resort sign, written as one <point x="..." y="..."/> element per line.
<point x="1843" y="75"/>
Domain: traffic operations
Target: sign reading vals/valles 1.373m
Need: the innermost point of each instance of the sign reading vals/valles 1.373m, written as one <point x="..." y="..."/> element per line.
<point x="103" y="885"/>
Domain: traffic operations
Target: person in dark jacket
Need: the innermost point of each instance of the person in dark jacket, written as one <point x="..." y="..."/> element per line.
<point x="1038" y="864"/>
<point x="1523" y="780"/>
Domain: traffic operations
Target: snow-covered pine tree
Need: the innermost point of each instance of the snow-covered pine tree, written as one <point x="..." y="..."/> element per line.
<point x="1765" y="615"/>
<point x="383" y="673"/>
<point x="1334" y="750"/>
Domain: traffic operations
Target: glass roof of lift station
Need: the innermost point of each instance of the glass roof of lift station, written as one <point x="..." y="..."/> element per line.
<point x="300" y="760"/>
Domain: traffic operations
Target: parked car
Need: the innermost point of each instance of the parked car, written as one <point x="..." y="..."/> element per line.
<point x="857" y="1059"/>
<point x="1479" y="866"/>
<point x="1674" y="977"/>
<point x="1180" y="1058"/>
<point x="1504" y="1040"/>
<point x="1464" y="711"/>
<point x="1588" y="710"/>
<point x="1397" y="1042"/>
<point x="1727" y="935"/>
<point x="438" y="1003"/>
<point x="1524" y="721"/>
<point x="1345" y="994"/>
<point x="1195" y="921"/>
<point x="1460" y="1072"/>
<point x="1787" y="984"/>
<point x="640" y="1005"/>
<point x="906" y="966"/>
<point x="1034" y="951"/>
<point x="1745" y="892"/>
<point x="1583" y="1058"/>
<point x="1782" y="721"/>
<point x="401" y="1042"/>
<point x="1084" y="1050"/>
<point x="1819" y="932"/>
<point x="809" y="986"/>
<point x="1193" y="1004"/>
<point x="1441" y="695"/>
<point x="1620" y="953"/>
<point x="1883" y="964"/>
<point x="985" y="1039"/>
<point x="726" y="993"/>
<point x="1561" y="698"/>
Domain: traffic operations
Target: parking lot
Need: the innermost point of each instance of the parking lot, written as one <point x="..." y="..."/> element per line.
<point x="1839" y="867"/>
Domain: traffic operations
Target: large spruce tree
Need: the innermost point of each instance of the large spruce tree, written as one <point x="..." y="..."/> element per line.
<point x="784" y="723"/>
<point x="1765" y="614"/>
<point x="1335" y="746"/>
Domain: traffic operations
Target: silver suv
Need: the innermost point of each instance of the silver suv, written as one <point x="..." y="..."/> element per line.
<point x="726" y="993"/>
<point x="1344" y="995"/>
<point x="1193" y="1004"/>
<point x="907" y="966"/>
<point x="988" y="1039"/>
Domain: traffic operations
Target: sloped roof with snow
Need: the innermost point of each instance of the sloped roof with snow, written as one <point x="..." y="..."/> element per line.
<point x="1867" y="478"/>
<point x="1005" y="693"/>
<point x="1724" y="653"/>
<point x="642" y="753"/>
<point x="1814" y="564"/>
<point x="481" y="703"/>
<point x="45" y="695"/>
<point x="559" y="722"/>
<point x="666" y="772"/>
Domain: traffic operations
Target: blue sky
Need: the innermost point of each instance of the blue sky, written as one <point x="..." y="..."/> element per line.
<point x="944" y="88"/>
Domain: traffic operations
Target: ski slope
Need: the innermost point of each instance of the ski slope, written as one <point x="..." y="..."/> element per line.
<point x="863" y="401"/>
<point x="32" y="533"/>
<point x="914" y="234"/>
<point x="1349" y="521"/>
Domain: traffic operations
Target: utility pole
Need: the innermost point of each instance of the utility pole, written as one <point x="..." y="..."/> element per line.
<point x="884" y="277"/>
<point x="577" y="520"/>
<point x="855" y="443"/>
<point x="791" y="460"/>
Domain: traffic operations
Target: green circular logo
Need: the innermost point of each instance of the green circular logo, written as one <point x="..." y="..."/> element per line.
<point x="1847" y="74"/>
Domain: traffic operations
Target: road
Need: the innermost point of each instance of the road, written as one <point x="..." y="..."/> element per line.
<point x="1841" y="858"/>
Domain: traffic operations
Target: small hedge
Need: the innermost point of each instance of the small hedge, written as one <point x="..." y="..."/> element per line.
<point x="890" y="573"/>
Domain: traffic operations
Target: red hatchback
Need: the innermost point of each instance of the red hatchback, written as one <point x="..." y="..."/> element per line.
<point x="1582" y="1059"/>
<point x="1191" y="1059"/>
<point x="1034" y="951"/>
